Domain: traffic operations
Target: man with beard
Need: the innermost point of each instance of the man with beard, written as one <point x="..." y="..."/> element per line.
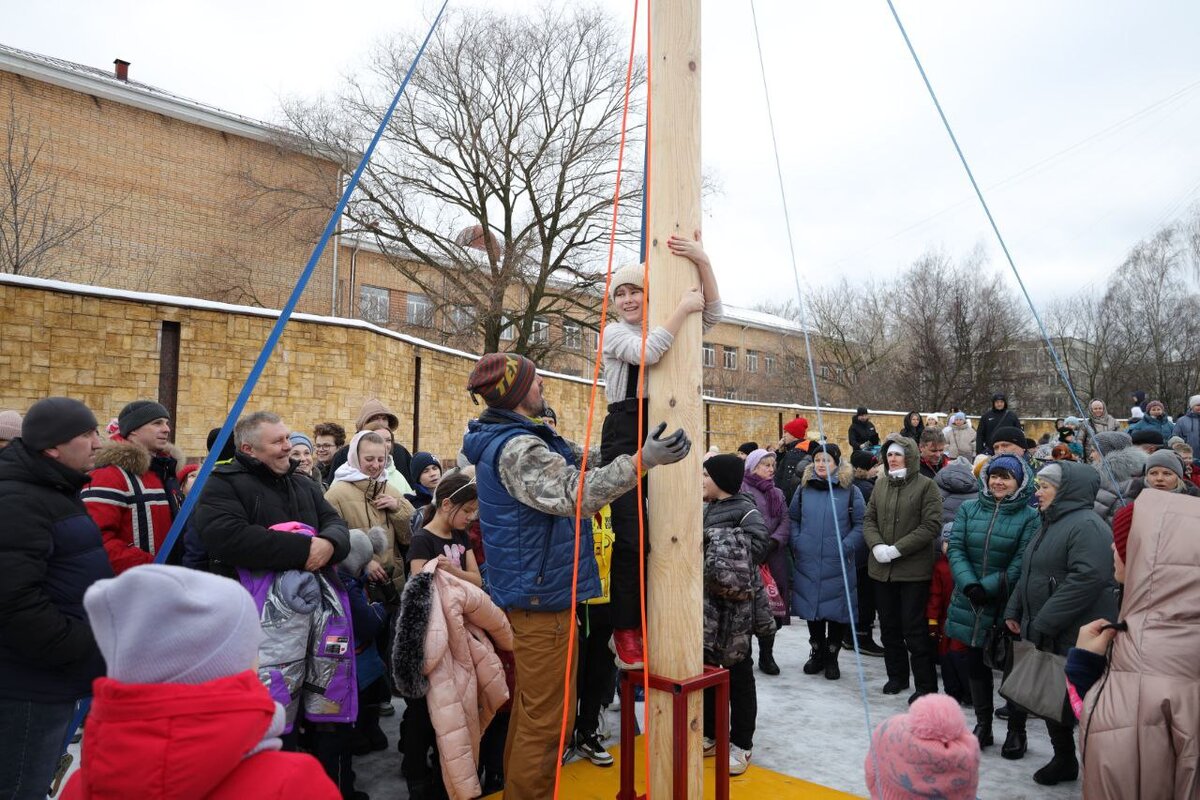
<point x="528" y="478"/>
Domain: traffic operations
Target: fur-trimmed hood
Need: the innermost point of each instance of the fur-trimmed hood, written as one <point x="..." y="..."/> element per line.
<point x="120" y="452"/>
<point x="1125" y="464"/>
<point x="408" y="648"/>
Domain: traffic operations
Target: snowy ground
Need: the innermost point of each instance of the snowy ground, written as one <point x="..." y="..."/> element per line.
<point x="807" y="727"/>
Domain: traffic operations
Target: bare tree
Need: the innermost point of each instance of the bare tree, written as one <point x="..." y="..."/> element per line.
<point x="1157" y="314"/>
<point x="37" y="223"/>
<point x="492" y="188"/>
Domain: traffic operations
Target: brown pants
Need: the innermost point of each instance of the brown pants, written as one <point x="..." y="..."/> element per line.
<point x="531" y="751"/>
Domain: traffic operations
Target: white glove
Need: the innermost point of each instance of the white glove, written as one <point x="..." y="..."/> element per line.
<point x="882" y="553"/>
<point x="893" y="552"/>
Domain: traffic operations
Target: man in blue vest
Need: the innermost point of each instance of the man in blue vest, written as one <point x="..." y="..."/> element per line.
<point x="528" y="478"/>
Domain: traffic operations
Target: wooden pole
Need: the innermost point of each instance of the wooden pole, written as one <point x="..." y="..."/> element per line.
<point x="675" y="602"/>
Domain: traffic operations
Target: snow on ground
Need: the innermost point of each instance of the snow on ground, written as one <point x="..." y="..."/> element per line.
<point x="807" y="727"/>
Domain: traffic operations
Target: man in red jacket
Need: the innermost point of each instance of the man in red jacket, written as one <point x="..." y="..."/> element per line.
<point x="134" y="494"/>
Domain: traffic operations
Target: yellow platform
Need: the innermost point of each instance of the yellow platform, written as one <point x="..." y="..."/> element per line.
<point x="582" y="780"/>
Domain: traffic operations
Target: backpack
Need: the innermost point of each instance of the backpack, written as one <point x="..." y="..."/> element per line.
<point x="790" y="470"/>
<point x="728" y="566"/>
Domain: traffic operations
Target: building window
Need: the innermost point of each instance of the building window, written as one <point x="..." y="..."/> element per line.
<point x="461" y="319"/>
<point x="769" y="364"/>
<point x="710" y="356"/>
<point x="572" y="335"/>
<point x="730" y="357"/>
<point x="751" y="361"/>
<point x="731" y="394"/>
<point x="541" y="331"/>
<point x="418" y="310"/>
<point x="373" y="304"/>
<point x="824" y="372"/>
<point x="508" y="331"/>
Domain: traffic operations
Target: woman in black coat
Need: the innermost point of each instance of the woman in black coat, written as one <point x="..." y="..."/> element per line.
<point x="913" y="426"/>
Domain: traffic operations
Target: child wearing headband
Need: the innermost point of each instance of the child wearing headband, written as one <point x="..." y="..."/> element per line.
<point x="444" y="537"/>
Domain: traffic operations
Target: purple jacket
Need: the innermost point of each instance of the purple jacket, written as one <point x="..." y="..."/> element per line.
<point x="780" y="530"/>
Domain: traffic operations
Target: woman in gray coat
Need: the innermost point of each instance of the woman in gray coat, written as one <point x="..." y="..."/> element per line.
<point x="1066" y="582"/>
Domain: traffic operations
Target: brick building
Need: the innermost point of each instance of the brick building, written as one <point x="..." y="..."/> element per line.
<point x="167" y="186"/>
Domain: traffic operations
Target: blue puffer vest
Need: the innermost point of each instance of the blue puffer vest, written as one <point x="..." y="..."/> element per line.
<point x="529" y="553"/>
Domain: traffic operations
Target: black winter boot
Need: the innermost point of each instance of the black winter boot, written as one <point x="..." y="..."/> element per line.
<point x="832" y="672"/>
<point x="1064" y="766"/>
<point x="766" y="656"/>
<point x="981" y="700"/>
<point x="816" y="657"/>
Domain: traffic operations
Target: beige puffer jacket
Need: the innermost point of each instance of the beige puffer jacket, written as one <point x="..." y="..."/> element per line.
<point x="466" y="678"/>
<point x="1140" y="727"/>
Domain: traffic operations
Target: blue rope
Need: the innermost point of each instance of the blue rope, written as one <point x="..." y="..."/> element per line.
<point x="289" y="308"/>
<point x="1058" y="364"/>
<point x="269" y="346"/>
<point x="812" y="377"/>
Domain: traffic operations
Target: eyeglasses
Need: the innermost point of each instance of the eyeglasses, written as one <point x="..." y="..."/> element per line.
<point x="324" y="447"/>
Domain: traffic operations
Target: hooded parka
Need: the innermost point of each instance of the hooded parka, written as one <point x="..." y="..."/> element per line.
<point x="905" y="513"/>
<point x="991" y="421"/>
<point x="1140" y="727"/>
<point x="820" y="558"/>
<point x="1067" y="571"/>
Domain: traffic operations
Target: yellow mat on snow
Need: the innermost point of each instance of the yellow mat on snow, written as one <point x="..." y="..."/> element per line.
<point x="582" y="780"/>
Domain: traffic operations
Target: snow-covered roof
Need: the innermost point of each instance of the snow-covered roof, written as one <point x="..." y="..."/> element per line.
<point x="749" y="317"/>
<point x="105" y="84"/>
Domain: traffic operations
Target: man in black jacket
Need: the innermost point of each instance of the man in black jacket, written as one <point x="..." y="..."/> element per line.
<point x="998" y="416"/>
<point x="258" y="489"/>
<point x="862" y="433"/>
<point x="50" y="553"/>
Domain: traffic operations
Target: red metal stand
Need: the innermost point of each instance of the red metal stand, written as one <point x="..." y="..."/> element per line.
<point x="712" y="677"/>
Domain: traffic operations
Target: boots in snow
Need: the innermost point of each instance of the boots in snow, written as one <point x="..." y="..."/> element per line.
<point x="981" y="700"/>
<point x="766" y="655"/>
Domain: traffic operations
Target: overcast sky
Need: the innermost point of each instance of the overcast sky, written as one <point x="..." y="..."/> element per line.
<point x="1080" y="119"/>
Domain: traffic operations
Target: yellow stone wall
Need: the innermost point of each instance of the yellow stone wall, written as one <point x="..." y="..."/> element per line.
<point x="174" y="213"/>
<point x="75" y="341"/>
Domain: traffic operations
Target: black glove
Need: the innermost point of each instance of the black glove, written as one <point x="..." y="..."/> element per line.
<point x="658" y="451"/>
<point x="976" y="594"/>
<point x="772" y="547"/>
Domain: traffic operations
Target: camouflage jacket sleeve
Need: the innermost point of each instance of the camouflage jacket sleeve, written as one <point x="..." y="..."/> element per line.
<point x="540" y="478"/>
<point x="577" y="451"/>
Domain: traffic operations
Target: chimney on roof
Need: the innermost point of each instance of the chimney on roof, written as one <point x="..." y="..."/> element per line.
<point x="122" y="69"/>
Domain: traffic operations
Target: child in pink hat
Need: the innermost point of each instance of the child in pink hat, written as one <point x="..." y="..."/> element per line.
<point x="927" y="752"/>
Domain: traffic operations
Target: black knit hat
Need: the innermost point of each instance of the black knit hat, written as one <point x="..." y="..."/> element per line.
<point x="1146" y="436"/>
<point x="861" y="410"/>
<point x="726" y="471"/>
<point x="861" y="459"/>
<point x="1008" y="434"/>
<point x="55" y="420"/>
<point x="139" y="413"/>
<point x="832" y="449"/>
<point x="747" y="448"/>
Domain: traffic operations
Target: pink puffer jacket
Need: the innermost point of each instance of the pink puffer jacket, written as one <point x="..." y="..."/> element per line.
<point x="1140" y="727"/>
<point x="466" y="678"/>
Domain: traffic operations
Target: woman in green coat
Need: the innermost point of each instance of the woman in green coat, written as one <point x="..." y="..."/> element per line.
<point x="987" y="541"/>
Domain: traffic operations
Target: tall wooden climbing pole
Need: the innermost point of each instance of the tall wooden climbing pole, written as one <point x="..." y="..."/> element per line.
<point x="674" y="578"/>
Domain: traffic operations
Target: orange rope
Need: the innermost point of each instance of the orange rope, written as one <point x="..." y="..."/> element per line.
<point x="641" y="395"/>
<point x="587" y="436"/>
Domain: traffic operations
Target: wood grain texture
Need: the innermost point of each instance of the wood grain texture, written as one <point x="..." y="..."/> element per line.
<point x="675" y="602"/>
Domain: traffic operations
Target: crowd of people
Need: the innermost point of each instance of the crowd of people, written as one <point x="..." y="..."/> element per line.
<point x="323" y="576"/>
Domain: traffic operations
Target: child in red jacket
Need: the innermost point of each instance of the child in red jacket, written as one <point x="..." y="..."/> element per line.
<point x="182" y="712"/>
<point x="952" y="655"/>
